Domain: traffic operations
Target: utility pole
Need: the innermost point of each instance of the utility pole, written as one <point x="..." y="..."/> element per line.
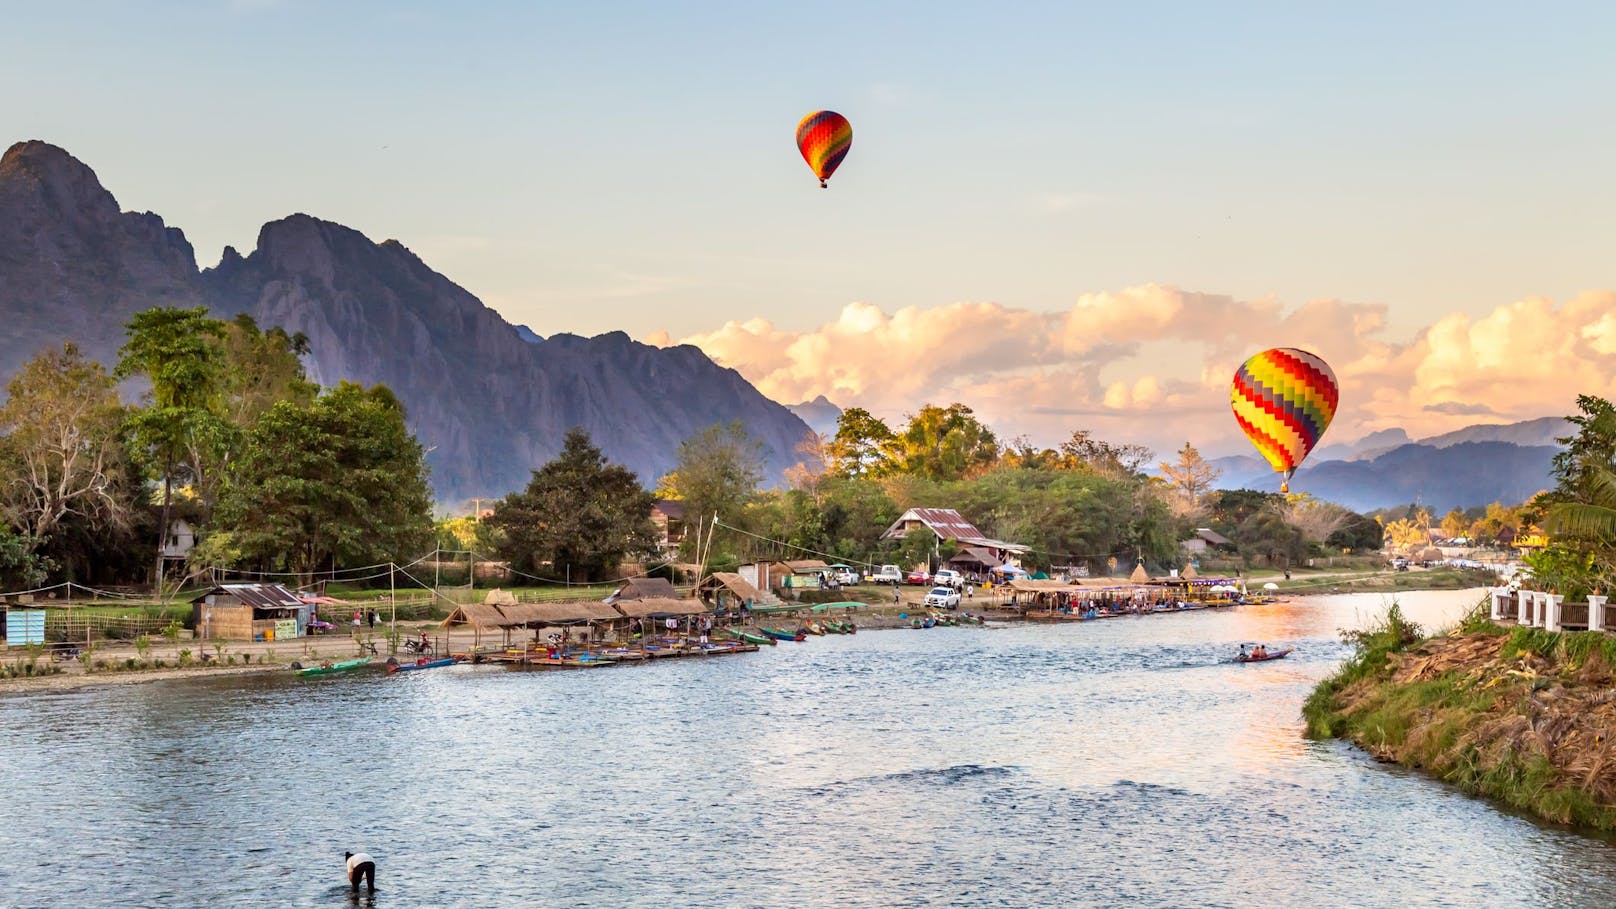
<point x="437" y="565"/>
<point x="392" y="596"/>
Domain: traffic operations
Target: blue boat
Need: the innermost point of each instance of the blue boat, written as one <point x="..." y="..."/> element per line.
<point x="393" y="665"/>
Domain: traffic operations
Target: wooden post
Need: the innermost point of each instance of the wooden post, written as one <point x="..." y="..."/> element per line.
<point x="392" y="622"/>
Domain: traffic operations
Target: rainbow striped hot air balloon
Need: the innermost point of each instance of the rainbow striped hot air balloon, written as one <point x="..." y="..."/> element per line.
<point x="824" y="137"/>
<point x="1284" y="399"/>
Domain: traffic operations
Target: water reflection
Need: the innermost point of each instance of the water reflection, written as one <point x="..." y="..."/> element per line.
<point x="1117" y="762"/>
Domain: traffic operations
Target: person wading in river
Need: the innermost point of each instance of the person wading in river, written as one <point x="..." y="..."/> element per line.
<point x="360" y="866"/>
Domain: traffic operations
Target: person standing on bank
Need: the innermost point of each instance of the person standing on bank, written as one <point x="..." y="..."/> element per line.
<point x="360" y="866"/>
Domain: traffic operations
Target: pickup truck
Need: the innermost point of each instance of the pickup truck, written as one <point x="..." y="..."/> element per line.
<point x="887" y="574"/>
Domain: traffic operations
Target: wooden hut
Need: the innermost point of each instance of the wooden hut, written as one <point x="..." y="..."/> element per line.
<point x="644" y="588"/>
<point x="1140" y="575"/>
<point x="249" y="612"/>
<point x="728" y="590"/>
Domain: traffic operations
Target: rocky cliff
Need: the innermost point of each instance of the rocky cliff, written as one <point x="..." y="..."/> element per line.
<point x="490" y="402"/>
<point x="72" y="266"/>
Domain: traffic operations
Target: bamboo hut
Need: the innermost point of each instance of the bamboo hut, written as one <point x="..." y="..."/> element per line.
<point x="1140" y="575"/>
<point x="643" y="588"/>
<point x="479" y="617"/>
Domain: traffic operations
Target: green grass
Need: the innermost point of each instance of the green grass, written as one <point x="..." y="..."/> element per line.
<point x="1425" y="723"/>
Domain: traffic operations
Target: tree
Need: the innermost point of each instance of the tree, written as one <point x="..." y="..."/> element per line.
<point x="1190" y="475"/>
<point x="20" y="567"/>
<point x="1314" y="519"/>
<point x="717" y="472"/>
<point x="62" y="426"/>
<point x="177" y="350"/>
<point x="1266" y="535"/>
<point x="262" y="368"/>
<point x="860" y="446"/>
<point x="944" y="443"/>
<point x="579" y="516"/>
<point x="1084" y="451"/>
<point x="1358" y="533"/>
<point x="1579" y="514"/>
<point x="341" y="480"/>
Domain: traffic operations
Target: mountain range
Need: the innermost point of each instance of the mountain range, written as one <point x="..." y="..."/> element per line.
<point x="1506" y="462"/>
<point x="489" y="400"/>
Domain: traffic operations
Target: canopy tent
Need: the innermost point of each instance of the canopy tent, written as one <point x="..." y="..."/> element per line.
<point x="1009" y="570"/>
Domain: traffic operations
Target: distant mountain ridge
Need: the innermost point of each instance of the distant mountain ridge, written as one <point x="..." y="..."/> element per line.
<point x="489" y="400"/>
<point x="1476" y="465"/>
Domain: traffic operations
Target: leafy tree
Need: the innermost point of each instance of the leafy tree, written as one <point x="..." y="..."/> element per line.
<point x="1191" y="476"/>
<point x="1579" y="514"/>
<point x="62" y="426"/>
<point x="944" y="444"/>
<point x="1266" y="535"/>
<point x="262" y="368"/>
<point x="177" y="351"/>
<point x="717" y="472"/>
<point x="1358" y="533"/>
<point x="1454" y="524"/>
<point x="1315" y="519"/>
<point x="578" y="515"/>
<point x="1084" y="451"/>
<point x="341" y="480"/>
<point x="20" y="567"/>
<point x="860" y="446"/>
<point x="1229" y="508"/>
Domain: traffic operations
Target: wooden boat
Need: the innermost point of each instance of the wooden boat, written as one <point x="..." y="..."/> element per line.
<point x="1272" y="655"/>
<point x="814" y="628"/>
<point x="749" y="638"/>
<point x="394" y="665"/>
<point x="780" y="634"/>
<point x="330" y="668"/>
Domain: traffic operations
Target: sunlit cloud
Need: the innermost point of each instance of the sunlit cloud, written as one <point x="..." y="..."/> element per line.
<point x="1151" y="364"/>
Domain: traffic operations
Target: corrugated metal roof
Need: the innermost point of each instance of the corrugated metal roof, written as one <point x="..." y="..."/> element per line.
<point x="804" y="566"/>
<point x="258" y="596"/>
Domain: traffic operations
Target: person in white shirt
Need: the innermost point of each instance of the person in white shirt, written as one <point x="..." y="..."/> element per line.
<point x="360" y="866"/>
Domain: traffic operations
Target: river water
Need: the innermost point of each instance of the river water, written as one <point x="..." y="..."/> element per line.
<point x="1122" y="762"/>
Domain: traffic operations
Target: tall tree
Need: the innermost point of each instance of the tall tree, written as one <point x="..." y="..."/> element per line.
<point x="1191" y="476"/>
<point x="944" y="443"/>
<point x="718" y="472"/>
<point x="262" y="368"/>
<point x="1084" y="451"/>
<point x="579" y="515"/>
<point x="859" y="447"/>
<point x="62" y="427"/>
<point x="341" y="480"/>
<point x="178" y="351"/>
<point x="1580" y="512"/>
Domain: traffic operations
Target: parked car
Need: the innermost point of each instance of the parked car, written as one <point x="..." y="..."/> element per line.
<point x="948" y="577"/>
<point x="1399" y="564"/>
<point x="943" y="598"/>
<point x="887" y="574"/>
<point x="920" y="577"/>
<point x="844" y="575"/>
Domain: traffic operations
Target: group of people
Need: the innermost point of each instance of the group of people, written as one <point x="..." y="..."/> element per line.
<point x="1257" y="652"/>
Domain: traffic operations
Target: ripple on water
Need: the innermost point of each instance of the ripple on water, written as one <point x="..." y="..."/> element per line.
<point x="1117" y="763"/>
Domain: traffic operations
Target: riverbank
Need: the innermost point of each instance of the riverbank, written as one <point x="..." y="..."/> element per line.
<point x="1518" y="715"/>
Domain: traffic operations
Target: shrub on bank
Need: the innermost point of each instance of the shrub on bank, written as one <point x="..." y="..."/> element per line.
<point x="1519" y="715"/>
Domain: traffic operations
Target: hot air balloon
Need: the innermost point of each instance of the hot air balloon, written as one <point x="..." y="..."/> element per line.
<point x="824" y="137"/>
<point x="1283" y="399"/>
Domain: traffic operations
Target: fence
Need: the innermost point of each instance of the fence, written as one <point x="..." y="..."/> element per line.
<point x="1550" y="611"/>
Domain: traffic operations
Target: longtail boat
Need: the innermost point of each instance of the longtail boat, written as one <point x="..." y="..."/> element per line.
<point x="330" y="668"/>
<point x="394" y="665"/>
<point x="749" y="638"/>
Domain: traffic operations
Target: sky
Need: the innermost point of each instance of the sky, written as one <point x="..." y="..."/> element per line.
<point x="1063" y="215"/>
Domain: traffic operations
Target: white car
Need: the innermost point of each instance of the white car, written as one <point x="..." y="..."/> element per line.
<point x="943" y="598"/>
<point x="948" y="577"/>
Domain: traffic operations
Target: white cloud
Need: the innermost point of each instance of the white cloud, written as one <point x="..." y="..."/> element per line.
<point x="1152" y="363"/>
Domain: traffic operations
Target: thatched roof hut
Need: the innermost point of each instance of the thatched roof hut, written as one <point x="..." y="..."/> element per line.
<point x="644" y="588"/>
<point x="722" y="583"/>
<point x="1140" y="575"/>
<point x="574" y="613"/>
<point x="1189" y="573"/>
<point x="657" y="608"/>
<point x="497" y="597"/>
<point x="477" y="615"/>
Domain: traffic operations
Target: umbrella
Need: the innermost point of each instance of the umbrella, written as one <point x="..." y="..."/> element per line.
<point x="1270" y="586"/>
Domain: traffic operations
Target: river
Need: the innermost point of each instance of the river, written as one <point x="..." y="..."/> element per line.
<point x="1122" y="762"/>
